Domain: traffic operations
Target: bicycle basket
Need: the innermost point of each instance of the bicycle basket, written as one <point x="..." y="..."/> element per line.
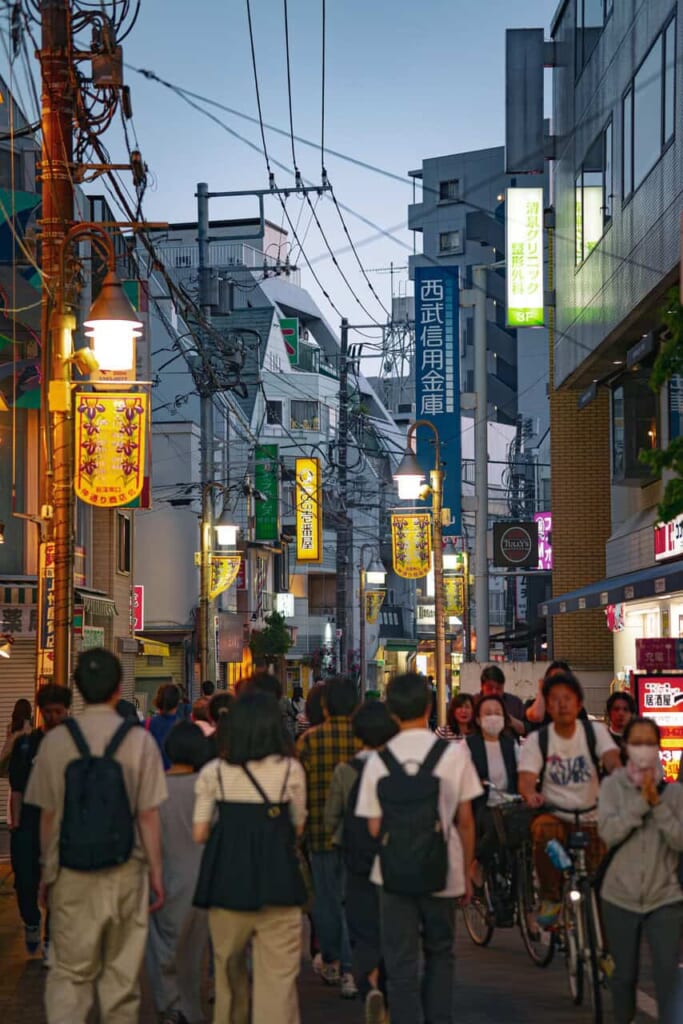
<point x="512" y="823"/>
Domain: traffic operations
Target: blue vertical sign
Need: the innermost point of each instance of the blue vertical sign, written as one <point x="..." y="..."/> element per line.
<point x="437" y="377"/>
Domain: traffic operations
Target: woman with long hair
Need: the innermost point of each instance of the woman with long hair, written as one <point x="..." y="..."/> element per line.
<point x="459" y="718"/>
<point x="18" y="725"/>
<point x="250" y="807"/>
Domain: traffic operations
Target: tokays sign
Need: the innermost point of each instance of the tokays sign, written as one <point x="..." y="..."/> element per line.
<point x="515" y="545"/>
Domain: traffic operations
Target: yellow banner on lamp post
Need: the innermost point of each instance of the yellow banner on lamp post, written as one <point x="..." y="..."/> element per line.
<point x="111" y="434"/>
<point x="373" y="602"/>
<point x="224" y="572"/>
<point x="454" y="595"/>
<point x="411" y="544"/>
<point x="309" y="511"/>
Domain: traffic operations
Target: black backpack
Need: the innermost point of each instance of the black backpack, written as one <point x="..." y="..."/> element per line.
<point x="97" y="828"/>
<point x="543" y="740"/>
<point x="413" y="848"/>
<point x="359" y="848"/>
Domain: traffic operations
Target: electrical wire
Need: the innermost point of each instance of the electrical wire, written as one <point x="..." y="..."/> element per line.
<point x="323" y="76"/>
<point x="289" y="91"/>
<point x="256" y="85"/>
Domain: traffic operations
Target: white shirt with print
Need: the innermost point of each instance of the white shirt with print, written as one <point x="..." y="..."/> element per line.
<point x="571" y="779"/>
<point x="458" y="782"/>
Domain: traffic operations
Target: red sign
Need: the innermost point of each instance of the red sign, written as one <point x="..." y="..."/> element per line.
<point x="669" y="539"/>
<point x="656" y="654"/>
<point x="242" y="575"/>
<point x="661" y="697"/>
<point x="138" y="599"/>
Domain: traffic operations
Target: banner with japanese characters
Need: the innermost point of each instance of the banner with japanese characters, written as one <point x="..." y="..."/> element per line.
<point x="411" y="543"/>
<point x="309" y="511"/>
<point x="454" y="595"/>
<point x="661" y="697"/>
<point x="224" y="570"/>
<point x="111" y="432"/>
<point x="373" y="602"/>
<point x="46" y="597"/>
<point x="437" y="378"/>
<point x="524" y="257"/>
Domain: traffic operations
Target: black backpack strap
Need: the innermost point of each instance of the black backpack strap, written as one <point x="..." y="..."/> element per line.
<point x="434" y="756"/>
<point x="392" y="763"/>
<point x="259" y="789"/>
<point x="286" y="780"/>
<point x="119" y="736"/>
<point x="74" y="730"/>
<point x="591" y="741"/>
<point x="543" y="740"/>
<point x="358" y="763"/>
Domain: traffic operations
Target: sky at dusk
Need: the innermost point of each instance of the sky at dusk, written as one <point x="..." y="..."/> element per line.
<point x="404" y="81"/>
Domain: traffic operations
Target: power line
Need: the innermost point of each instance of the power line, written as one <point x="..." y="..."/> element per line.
<point x="289" y="93"/>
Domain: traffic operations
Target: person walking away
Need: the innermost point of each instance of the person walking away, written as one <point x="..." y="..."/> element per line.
<point x="459" y="718"/>
<point x="202" y="719"/>
<point x="313" y="713"/>
<point x="492" y="681"/>
<point x="298" y="702"/>
<point x="417" y="794"/>
<point x="179" y="932"/>
<point x="560" y="765"/>
<point x="495" y="754"/>
<point x="620" y="708"/>
<point x="53" y="702"/>
<point x="166" y="702"/>
<point x="374" y="727"/>
<point x="18" y="725"/>
<point x="321" y="749"/>
<point x="250" y="880"/>
<point x="98" y="782"/>
<point x="640" y="819"/>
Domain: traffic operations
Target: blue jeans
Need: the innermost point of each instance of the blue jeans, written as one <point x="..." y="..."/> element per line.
<point x="328" y="908"/>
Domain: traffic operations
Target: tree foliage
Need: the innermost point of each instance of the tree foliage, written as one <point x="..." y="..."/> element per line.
<point x="668" y="364"/>
<point x="273" y="641"/>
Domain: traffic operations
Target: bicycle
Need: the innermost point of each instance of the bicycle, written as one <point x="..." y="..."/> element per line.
<point x="508" y="896"/>
<point x="579" y="930"/>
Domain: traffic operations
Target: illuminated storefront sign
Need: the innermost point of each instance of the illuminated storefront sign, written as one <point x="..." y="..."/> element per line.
<point x="309" y="508"/>
<point x="524" y="257"/>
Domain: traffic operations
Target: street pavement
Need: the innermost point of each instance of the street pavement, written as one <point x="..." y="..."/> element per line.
<point x="493" y="985"/>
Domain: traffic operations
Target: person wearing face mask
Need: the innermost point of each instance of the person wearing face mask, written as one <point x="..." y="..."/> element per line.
<point x="640" y="819"/>
<point x="494" y="752"/>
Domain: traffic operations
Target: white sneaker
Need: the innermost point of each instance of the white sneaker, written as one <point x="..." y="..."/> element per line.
<point x="317" y="963"/>
<point x="348" y="987"/>
<point x="375" y="1008"/>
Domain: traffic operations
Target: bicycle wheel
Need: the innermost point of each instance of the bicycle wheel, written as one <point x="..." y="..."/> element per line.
<point x="538" y="942"/>
<point x="572" y="953"/>
<point x="592" y="960"/>
<point x="478" y="916"/>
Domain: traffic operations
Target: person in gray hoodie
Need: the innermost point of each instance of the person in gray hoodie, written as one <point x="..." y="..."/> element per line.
<point x="640" y="818"/>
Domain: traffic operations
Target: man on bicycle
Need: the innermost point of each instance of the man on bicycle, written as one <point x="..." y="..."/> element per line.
<point x="560" y="766"/>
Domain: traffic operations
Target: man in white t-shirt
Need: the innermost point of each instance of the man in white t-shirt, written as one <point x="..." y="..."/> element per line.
<point x="565" y="756"/>
<point x="406" y="920"/>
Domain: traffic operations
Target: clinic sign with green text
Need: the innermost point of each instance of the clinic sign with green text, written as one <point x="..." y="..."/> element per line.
<point x="524" y="256"/>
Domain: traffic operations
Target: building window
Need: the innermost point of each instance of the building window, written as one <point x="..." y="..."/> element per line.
<point x="122" y="542"/>
<point x="449" y="191"/>
<point x="450" y="241"/>
<point x="648" y="110"/>
<point x="305" y="415"/>
<point x="594" y="191"/>
<point x="273" y="413"/>
<point x="591" y="16"/>
<point x="635" y="410"/>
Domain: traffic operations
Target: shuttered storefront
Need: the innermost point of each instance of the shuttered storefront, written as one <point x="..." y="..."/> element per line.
<point x="152" y="670"/>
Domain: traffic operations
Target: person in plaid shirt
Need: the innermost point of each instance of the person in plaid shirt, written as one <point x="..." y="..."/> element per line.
<point x="321" y="749"/>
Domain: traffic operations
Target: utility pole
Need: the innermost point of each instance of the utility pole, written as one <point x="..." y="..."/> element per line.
<point x="57" y="116"/>
<point x="344" y="559"/>
<point x="207" y="637"/>
<point x="481" y="463"/>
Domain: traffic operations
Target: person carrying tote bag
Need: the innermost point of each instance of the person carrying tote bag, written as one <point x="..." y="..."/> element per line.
<point x="250" y="808"/>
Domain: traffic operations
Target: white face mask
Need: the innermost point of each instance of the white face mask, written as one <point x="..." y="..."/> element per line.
<point x="493" y="725"/>
<point x="643" y="756"/>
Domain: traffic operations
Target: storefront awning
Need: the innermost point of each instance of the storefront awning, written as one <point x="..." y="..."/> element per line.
<point x="655" y="581"/>
<point x="96" y="604"/>
<point x="154" y="647"/>
<point x="399" y="644"/>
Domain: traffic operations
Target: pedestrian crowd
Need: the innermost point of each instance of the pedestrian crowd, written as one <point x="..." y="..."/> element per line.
<point x="208" y="834"/>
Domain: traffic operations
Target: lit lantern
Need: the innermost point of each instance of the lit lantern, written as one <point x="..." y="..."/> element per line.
<point x="226" y="530"/>
<point x="409" y="477"/>
<point x="113" y="326"/>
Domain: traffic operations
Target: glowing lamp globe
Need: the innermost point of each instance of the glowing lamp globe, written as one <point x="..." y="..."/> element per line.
<point x="226" y="530"/>
<point x="409" y="477"/>
<point x="112" y="327"/>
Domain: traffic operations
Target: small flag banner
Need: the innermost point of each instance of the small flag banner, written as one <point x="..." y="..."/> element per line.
<point x="224" y="570"/>
<point x="411" y="542"/>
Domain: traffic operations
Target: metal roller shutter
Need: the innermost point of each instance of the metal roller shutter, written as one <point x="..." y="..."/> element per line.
<point x="17" y="680"/>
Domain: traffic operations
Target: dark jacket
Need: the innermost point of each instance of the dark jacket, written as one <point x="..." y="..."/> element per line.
<point x="477" y="745"/>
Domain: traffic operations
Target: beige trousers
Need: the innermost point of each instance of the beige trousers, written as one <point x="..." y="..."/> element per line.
<point x="98" y="930"/>
<point x="276" y="951"/>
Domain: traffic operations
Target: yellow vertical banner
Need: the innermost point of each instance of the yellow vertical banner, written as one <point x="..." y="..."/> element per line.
<point x="309" y="511"/>
<point x="411" y="543"/>
<point x="374" y="600"/>
<point x="111" y="432"/>
<point x="454" y="595"/>
<point x="224" y="572"/>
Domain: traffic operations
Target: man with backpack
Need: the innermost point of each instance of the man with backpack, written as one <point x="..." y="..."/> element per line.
<point x="374" y="727"/>
<point x="98" y="782"/>
<point x="417" y="796"/>
<point x="560" y="765"/>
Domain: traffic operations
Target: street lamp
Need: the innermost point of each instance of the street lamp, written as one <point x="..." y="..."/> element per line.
<point x="112" y="323"/>
<point x="374" y="576"/>
<point x="226" y="531"/>
<point x="410" y="480"/>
